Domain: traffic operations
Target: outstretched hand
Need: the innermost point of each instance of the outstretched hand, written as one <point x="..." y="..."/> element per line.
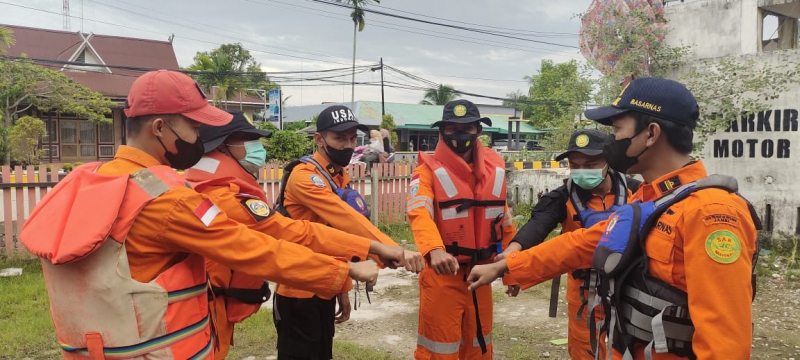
<point x="485" y="274"/>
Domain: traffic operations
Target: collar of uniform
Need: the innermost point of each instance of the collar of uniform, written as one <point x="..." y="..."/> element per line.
<point x="327" y="165"/>
<point x="136" y="156"/>
<point x="669" y="182"/>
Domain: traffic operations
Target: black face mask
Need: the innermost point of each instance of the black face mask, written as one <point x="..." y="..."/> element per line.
<point x="615" y="152"/>
<point x="460" y="141"/>
<point x="188" y="153"/>
<point x="339" y="157"/>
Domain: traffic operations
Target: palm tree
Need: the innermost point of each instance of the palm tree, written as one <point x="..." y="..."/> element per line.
<point x="440" y="96"/>
<point x="358" y="25"/>
<point x="219" y="73"/>
<point x="6" y="39"/>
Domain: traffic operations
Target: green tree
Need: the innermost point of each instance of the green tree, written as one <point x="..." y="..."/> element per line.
<point x="725" y="88"/>
<point x="23" y="140"/>
<point x="232" y="69"/>
<point x="440" y="95"/>
<point x="359" y="21"/>
<point x="558" y="93"/>
<point x="6" y="39"/>
<point x="25" y="85"/>
<point x="388" y="123"/>
<point x="286" y="145"/>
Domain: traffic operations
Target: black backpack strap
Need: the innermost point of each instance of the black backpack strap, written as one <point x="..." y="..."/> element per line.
<point x="287" y="170"/>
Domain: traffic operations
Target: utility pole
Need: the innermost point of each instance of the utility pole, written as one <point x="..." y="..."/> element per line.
<point x="65" y="14"/>
<point x="383" y="100"/>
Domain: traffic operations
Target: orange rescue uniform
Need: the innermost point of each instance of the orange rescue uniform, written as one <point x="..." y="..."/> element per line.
<point x="447" y="319"/>
<point x="719" y="295"/>
<point x="168" y="228"/>
<point x="236" y="193"/>
<point x="306" y="199"/>
<point x="578" y="333"/>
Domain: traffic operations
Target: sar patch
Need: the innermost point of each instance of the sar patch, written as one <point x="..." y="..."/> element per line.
<point x="720" y="219"/>
<point x="413" y="191"/>
<point x="723" y="246"/>
<point x="460" y="110"/>
<point x="317" y="181"/>
<point x="582" y="140"/>
<point x="669" y="185"/>
<point x="257" y="208"/>
<point x="611" y="224"/>
<point x="360" y="204"/>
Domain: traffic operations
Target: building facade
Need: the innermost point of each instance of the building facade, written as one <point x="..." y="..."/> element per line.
<point x="761" y="150"/>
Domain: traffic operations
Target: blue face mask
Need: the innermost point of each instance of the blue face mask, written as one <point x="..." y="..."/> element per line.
<point x="587" y="179"/>
<point x="255" y="158"/>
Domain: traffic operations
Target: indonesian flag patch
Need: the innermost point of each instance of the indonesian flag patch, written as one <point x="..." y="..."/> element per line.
<point x="414" y="181"/>
<point x="206" y="212"/>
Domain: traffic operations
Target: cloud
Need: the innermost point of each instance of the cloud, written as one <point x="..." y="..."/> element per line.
<point x="287" y="35"/>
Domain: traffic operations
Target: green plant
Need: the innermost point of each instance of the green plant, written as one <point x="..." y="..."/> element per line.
<point x="66" y="167"/>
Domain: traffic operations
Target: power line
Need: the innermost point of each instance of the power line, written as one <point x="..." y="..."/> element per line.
<point x="390" y="26"/>
<point x="182" y="37"/>
<point x="211" y="33"/>
<point x="360" y="69"/>
<point x="493" y="33"/>
<point x="513" y="31"/>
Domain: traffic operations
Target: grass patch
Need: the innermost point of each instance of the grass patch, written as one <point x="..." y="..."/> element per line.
<point x="26" y="330"/>
<point x="397" y="231"/>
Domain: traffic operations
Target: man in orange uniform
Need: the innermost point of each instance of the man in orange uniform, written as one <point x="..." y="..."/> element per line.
<point x="122" y="243"/>
<point x="305" y="320"/>
<point x="593" y="192"/>
<point x="691" y="252"/>
<point x="458" y="214"/>
<point x="227" y="175"/>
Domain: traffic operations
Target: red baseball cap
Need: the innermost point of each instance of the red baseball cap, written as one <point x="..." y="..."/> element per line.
<point x="165" y="92"/>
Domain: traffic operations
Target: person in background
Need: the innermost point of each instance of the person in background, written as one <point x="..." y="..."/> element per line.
<point x="228" y="174"/>
<point x="304" y="320"/>
<point x="592" y="193"/>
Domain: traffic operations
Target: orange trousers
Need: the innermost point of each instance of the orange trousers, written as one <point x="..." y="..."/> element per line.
<point x="579" y="345"/>
<point x="447" y="323"/>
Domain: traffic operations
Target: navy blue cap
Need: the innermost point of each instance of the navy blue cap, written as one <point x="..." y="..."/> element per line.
<point x="662" y="98"/>
<point x="214" y="136"/>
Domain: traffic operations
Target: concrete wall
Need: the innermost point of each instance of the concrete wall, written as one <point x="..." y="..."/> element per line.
<point x="714" y="28"/>
<point x="762" y="152"/>
<point x="522" y="186"/>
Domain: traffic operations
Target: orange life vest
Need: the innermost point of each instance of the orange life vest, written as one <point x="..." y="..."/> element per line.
<point x="469" y="218"/>
<point x="242" y="294"/>
<point x="99" y="312"/>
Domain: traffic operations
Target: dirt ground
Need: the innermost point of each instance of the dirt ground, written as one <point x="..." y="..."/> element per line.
<point x="523" y="330"/>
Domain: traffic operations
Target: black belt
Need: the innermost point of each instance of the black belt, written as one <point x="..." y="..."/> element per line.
<point x="247" y="296"/>
<point x="476" y="254"/>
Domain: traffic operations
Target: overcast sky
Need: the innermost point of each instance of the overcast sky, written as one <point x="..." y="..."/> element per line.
<point x="281" y="32"/>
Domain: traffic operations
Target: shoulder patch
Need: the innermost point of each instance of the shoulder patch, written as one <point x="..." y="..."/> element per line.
<point x="669" y="185"/>
<point x="413" y="192"/>
<point x="720" y="219"/>
<point x="317" y="180"/>
<point x="257" y="208"/>
<point x="723" y="246"/>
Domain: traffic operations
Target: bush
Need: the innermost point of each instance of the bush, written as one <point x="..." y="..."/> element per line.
<point x="66" y="167"/>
